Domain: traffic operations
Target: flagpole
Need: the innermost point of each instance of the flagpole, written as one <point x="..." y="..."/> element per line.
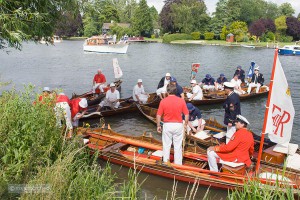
<point x="266" y="112"/>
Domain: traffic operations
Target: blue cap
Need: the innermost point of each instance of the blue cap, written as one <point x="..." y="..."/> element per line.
<point x="222" y="74"/>
<point x="173" y="79"/>
<point x="190" y="106"/>
<point x="239" y="67"/>
<point x="207" y="76"/>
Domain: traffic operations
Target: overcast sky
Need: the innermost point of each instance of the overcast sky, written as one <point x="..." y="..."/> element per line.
<point x="211" y="4"/>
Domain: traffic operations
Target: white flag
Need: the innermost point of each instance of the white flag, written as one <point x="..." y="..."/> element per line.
<point x="117" y="70"/>
<point x="281" y="110"/>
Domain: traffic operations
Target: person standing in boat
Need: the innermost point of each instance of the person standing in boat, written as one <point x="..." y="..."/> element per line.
<point x="99" y="81"/>
<point x="63" y="111"/>
<point x="232" y="109"/>
<point x="241" y="73"/>
<point x="196" y="123"/>
<point x="208" y="82"/>
<point x="171" y="109"/>
<point x="237" y="85"/>
<point x="219" y="84"/>
<point x="162" y="86"/>
<point x="256" y="81"/>
<point x="78" y="109"/>
<point x="139" y="93"/>
<point x="197" y="92"/>
<point x="179" y="89"/>
<point x="239" y="149"/>
<point x="111" y="99"/>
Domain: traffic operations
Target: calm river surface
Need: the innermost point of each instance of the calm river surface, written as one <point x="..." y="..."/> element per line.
<point x="66" y="66"/>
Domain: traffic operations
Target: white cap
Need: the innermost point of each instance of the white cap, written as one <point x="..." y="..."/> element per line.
<point x="168" y="74"/>
<point x="193" y="81"/>
<point x="83" y="103"/>
<point x="46" y="89"/>
<point x="112" y="85"/>
<point x="256" y="68"/>
<point x="228" y="84"/>
<point x="140" y="81"/>
<point x="241" y="118"/>
<point x="61" y="93"/>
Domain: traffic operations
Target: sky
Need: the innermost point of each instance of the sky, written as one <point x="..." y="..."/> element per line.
<point x="211" y="4"/>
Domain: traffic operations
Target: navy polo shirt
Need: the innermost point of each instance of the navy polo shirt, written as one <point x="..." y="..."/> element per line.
<point x="210" y="81"/>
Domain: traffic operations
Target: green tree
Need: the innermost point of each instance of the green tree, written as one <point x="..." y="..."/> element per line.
<point x="142" y="21"/>
<point x="154" y="16"/>
<point x="239" y="30"/>
<point x="280" y="24"/>
<point x="26" y="20"/>
<point x="286" y="9"/>
<point x="252" y="10"/>
<point x="271" y="11"/>
<point x="224" y="33"/>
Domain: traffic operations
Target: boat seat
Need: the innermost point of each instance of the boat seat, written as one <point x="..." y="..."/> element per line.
<point x="233" y="168"/>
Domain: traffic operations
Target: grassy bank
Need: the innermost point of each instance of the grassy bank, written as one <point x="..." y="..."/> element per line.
<point x="74" y="38"/>
<point x="34" y="153"/>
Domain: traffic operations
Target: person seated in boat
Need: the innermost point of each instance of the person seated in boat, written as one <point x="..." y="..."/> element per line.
<point x="237" y="85"/>
<point x="197" y="92"/>
<point x="78" y="109"/>
<point x="241" y="73"/>
<point x="239" y="149"/>
<point x="162" y="86"/>
<point x="179" y="89"/>
<point x="172" y="108"/>
<point x="99" y="81"/>
<point x="139" y="93"/>
<point x="196" y="123"/>
<point x="219" y="84"/>
<point x="256" y="81"/>
<point x="63" y="112"/>
<point x="111" y="99"/>
<point x="208" y="82"/>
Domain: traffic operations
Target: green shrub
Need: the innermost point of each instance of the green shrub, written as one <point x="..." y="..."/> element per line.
<point x="270" y="35"/>
<point x="167" y="38"/>
<point x="196" y="35"/>
<point x="284" y="38"/>
<point x="153" y="36"/>
<point x="209" y="35"/>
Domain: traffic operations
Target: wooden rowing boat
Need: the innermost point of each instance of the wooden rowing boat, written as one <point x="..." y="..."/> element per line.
<point x="144" y="153"/>
<point x="126" y="105"/>
<point x="93" y="100"/>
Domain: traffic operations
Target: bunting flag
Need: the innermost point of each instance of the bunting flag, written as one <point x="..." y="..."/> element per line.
<point x="117" y="70"/>
<point x="281" y="111"/>
<point x="194" y="71"/>
<point x="251" y="69"/>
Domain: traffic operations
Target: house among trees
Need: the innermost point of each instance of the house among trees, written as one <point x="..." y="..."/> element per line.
<point x="230" y="37"/>
<point x="106" y="26"/>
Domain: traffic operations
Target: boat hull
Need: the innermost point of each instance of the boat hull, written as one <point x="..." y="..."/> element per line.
<point x="289" y="52"/>
<point x="109" y="48"/>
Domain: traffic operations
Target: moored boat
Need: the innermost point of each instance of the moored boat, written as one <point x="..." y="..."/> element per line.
<point x="100" y="44"/>
<point x="291" y="50"/>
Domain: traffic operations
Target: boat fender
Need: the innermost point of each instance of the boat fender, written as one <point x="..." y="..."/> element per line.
<point x="141" y="150"/>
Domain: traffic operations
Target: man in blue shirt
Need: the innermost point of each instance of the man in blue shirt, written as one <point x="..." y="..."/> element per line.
<point x="220" y="82"/>
<point x="196" y="123"/>
<point x="208" y="82"/>
<point x="179" y="93"/>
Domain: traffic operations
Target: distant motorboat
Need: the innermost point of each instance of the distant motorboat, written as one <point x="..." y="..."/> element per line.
<point x="289" y="50"/>
<point x="103" y="44"/>
<point x="248" y="46"/>
<point x="54" y="39"/>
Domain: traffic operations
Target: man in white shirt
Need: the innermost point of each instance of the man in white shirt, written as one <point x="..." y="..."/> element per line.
<point x="111" y="99"/>
<point x="237" y="85"/>
<point x="197" y="92"/>
<point x="162" y="85"/>
<point x="138" y="93"/>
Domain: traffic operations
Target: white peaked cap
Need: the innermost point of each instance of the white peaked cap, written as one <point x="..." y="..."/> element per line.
<point x="140" y="81"/>
<point x="240" y="117"/>
<point x="256" y="68"/>
<point x="168" y="74"/>
<point x="112" y="85"/>
<point x="229" y="84"/>
<point x="193" y="81"/>
<point x="46" y="89"/>
<point x="83" y="103"/>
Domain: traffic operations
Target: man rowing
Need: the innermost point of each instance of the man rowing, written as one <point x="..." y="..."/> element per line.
<point x="239" y="149"/>
<point x="111" y="99"/>
<point x="99" y="81"/>
<point x="219" y="84"/>
<point x="139" y="93"/>
<point x="171" y="109"/>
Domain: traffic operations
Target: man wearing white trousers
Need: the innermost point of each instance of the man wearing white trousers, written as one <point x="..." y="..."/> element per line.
<point x="172" y="108"/>
<point x="232" y="109"/>
<point x="256" y="81"/>
<point x="139" y="93"/>
<point x="99" y="81"/>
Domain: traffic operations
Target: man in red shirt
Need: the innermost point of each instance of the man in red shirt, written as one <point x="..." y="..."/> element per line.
<point x="78" y="109"/>
<point x="239" y="149"/>
<point x="171" y="109"/>
<point x="99" y="81"/>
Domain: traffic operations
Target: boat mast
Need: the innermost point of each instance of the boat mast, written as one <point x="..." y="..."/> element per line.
<point x="266" y="113"/>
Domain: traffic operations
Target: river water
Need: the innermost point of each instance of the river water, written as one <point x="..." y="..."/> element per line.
<point x="65" y="66"/>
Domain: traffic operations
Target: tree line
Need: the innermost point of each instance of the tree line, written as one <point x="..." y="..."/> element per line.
<point x="248" y="19"/>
